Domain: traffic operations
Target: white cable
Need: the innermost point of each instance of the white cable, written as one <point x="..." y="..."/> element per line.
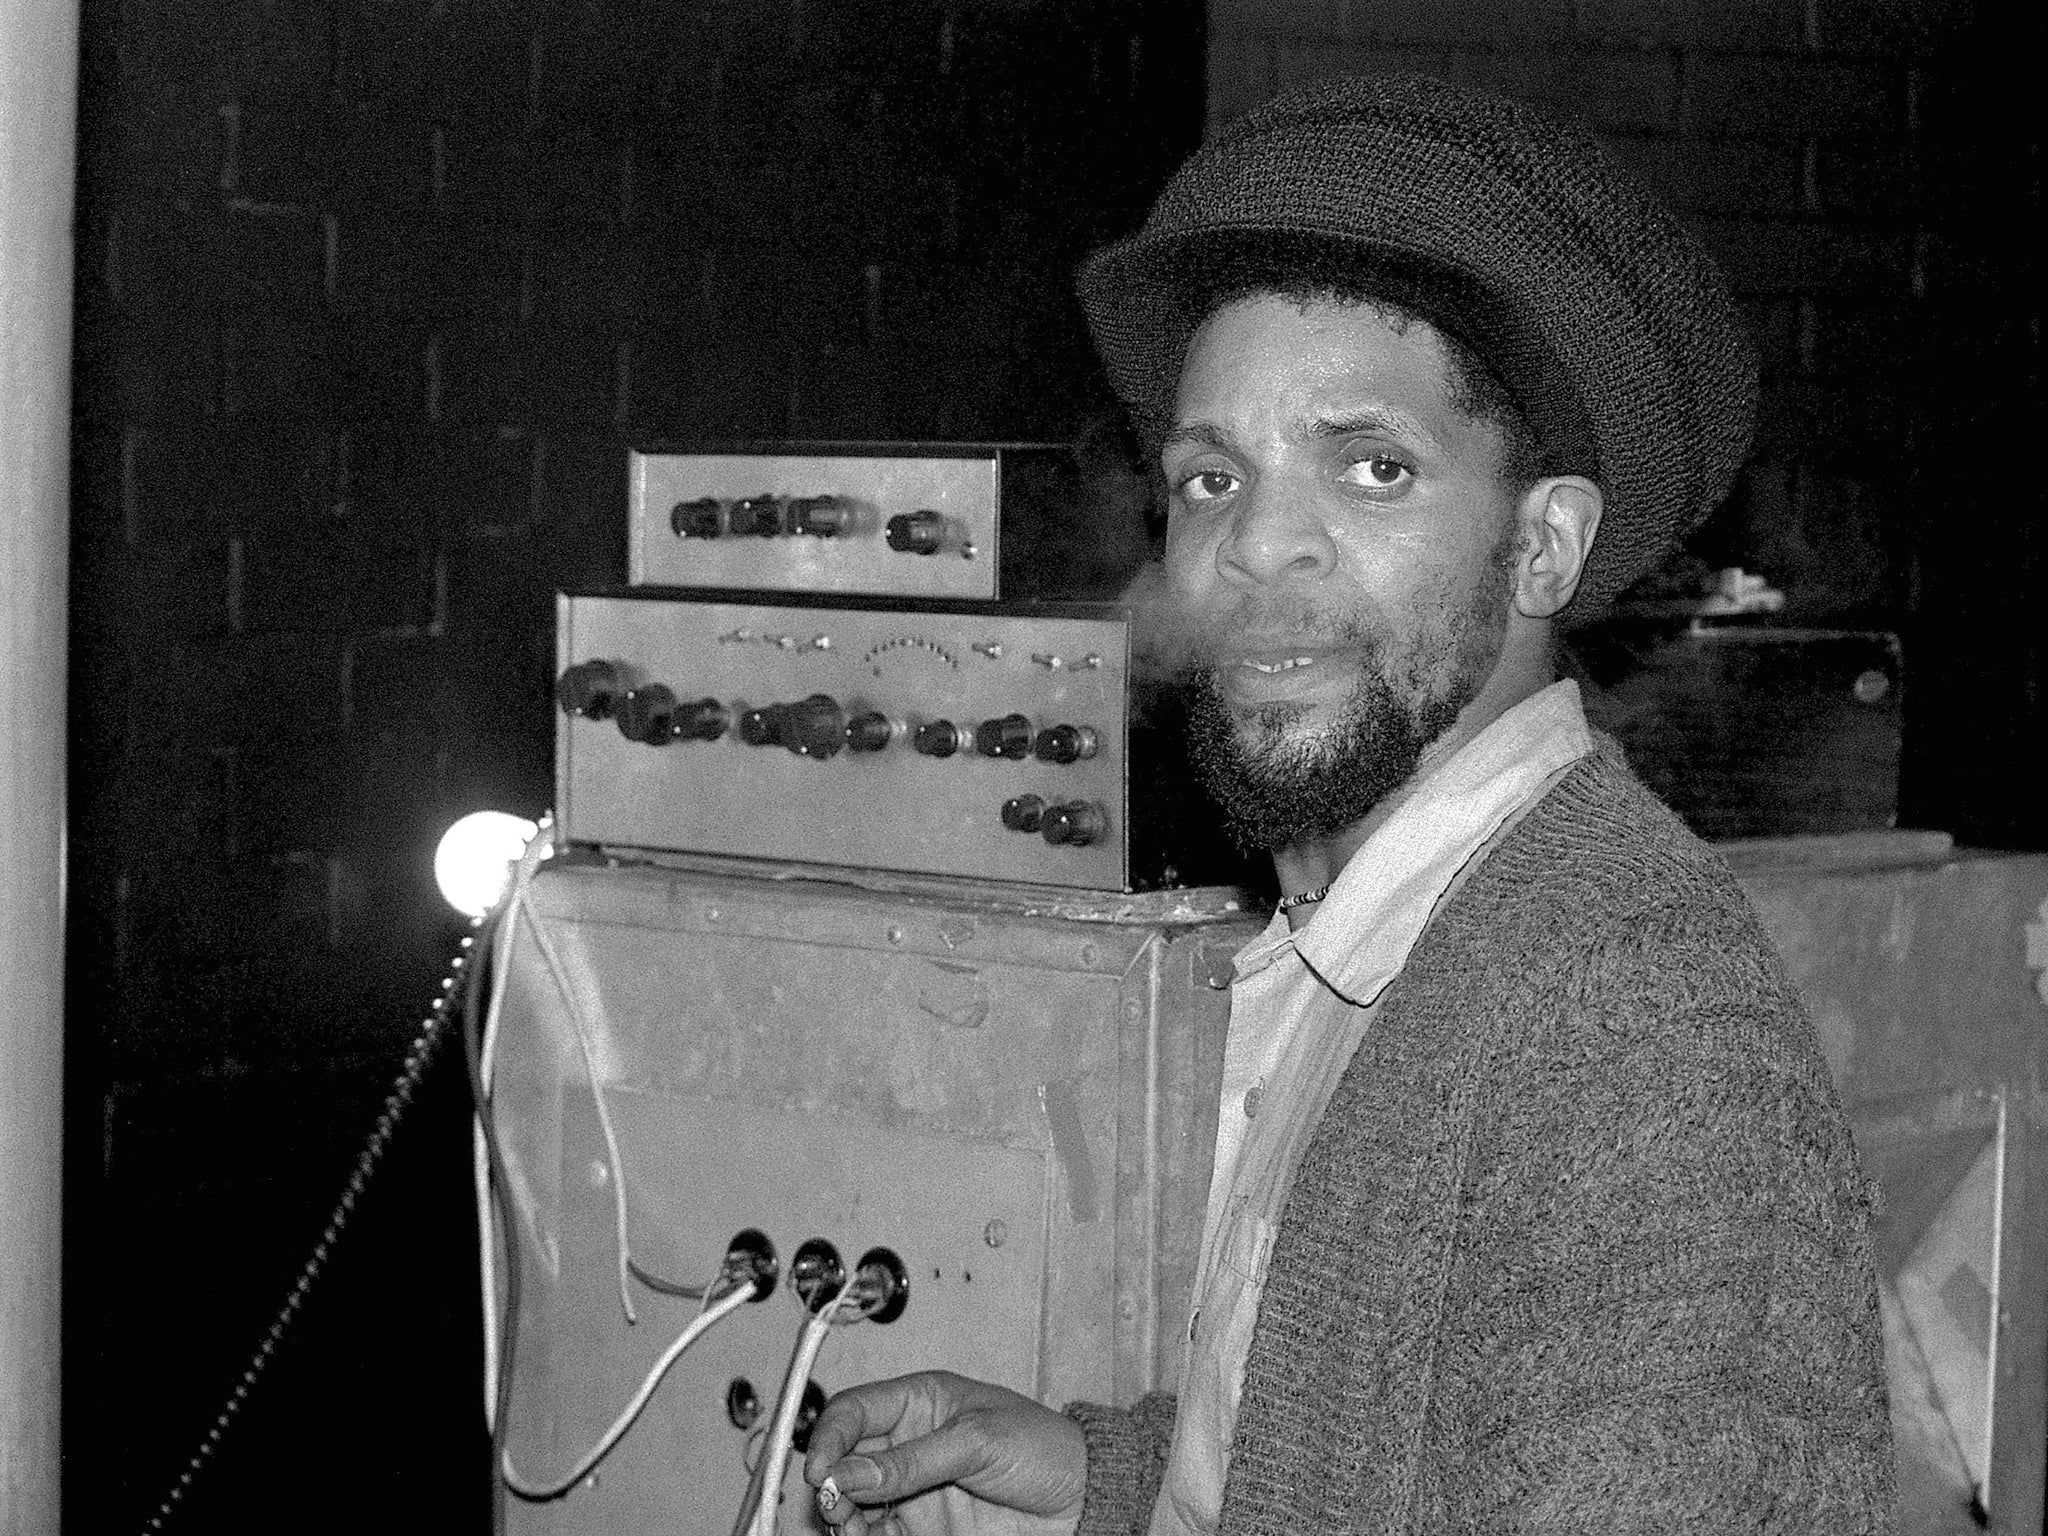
<point x="538" y="850"/>
<point x="780" y="1436"/>
<point x="713" y="1314"/>
<point x="604" y="1117"/>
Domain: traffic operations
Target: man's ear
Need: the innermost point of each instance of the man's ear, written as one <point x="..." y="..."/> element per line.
<point x="1560" y="517"/>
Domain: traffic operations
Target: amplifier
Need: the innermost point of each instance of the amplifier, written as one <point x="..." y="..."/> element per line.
<point x="904" y="520"/>
<point x="959" y="741"/>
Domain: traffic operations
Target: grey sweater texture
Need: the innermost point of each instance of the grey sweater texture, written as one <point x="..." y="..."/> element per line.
<point x="1581" y="1244"/>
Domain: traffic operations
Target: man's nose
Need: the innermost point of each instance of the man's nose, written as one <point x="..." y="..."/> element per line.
<point x="1274" y="536"/>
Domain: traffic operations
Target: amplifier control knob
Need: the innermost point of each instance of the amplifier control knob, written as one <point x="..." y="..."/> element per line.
<point x="824" y="517"/>
<point x="648" y="715"/>
<point x="1008" y="737"/>
<point x="1064" y="743"/>
<point x="702" y="720"/>
<point x="916" y="533"/>
<point x="814" y="728"/>
<point x="1076" y="823"/>
<point x="759" y="515"/>
<point x="590" y="689"/>
<point x="937" y="738"/>
<point x="761" y="727"/>
<point x="1024" y="813"/>
<point x="869" y="732"/>
<point x="697" y="519"/>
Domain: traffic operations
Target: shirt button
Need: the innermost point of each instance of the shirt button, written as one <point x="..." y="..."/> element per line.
<point x="1252" y="1095"/>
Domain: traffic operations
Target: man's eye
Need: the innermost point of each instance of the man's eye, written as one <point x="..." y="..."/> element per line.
<point x="1208" y="484"/>
<point x="1379" y="473"/>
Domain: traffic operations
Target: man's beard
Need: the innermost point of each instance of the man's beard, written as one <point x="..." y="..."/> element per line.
<point x="1275" y="791"/>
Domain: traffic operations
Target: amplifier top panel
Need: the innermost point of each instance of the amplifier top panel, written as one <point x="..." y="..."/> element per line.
<point x="885" y="520"/>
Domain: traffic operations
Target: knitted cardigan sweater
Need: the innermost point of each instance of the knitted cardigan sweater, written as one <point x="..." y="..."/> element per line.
<point x="1580" y="1245"/>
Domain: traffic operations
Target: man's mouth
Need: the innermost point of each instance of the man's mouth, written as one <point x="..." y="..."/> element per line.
<point x="1285" y="664"/>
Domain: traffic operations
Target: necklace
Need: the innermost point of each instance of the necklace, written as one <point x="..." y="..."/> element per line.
<point x="1289" y="903"/>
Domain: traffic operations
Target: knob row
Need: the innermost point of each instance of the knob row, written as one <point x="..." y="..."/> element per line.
<point x="813" y="727"/>
<point x="766" y="517"/>
<point x="1011" y="736"/>
<point x="923" y="532"/>
<point x="1070" y="823"/>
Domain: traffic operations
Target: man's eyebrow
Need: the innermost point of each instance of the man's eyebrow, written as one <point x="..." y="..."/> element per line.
<point x="1370" y="419"/>
<point x="1198" y="433"/>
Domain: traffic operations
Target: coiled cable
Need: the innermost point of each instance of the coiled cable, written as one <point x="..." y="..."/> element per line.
<point x="426" y="1046"/>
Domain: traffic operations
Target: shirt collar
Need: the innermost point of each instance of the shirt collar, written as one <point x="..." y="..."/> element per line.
<point x="1359" y="937"/>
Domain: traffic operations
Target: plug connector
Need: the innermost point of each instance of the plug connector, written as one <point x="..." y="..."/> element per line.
<point x="881" y="1285"/>
<point x="816" y="1273"/>
<point x="750" y="1260"/>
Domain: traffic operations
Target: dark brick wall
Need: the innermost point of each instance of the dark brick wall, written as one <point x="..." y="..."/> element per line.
<point x="372" y="296"/>
<point x="1867" y="172"/>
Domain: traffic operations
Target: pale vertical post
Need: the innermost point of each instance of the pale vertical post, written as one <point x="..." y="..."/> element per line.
<point x="38" y="113"/>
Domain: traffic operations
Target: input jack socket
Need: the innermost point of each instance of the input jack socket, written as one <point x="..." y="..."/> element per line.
<point x="816" y="1273"/>
<point x="883" y="1285"/>
<point x="750" y="1258"/>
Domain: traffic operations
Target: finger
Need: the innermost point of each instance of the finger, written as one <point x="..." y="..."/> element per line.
<point x="878" y="1411"/>
<point x="948" y="1454"/>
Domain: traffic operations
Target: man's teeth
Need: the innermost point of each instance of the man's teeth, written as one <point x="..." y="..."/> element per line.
<point x="1281" y="666"/>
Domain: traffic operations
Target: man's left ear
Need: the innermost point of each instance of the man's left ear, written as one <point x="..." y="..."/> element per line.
<point x="1560" y="517"/>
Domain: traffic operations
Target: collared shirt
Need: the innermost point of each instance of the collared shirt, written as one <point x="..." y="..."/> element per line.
<point x="1300" y="1003"/>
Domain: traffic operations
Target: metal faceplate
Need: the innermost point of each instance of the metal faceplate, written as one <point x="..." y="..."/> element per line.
<point x="921" y="525"/>
<point x="890" y="806"/>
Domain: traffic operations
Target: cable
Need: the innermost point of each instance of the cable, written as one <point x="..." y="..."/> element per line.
<point x="426" y="1046"/>
<point x="714" y="1313"/>
<point x="492" y="1194"/>
<point x="487" y="1154"/>
<point x="767" y="1499"/>
<point x="654" y="1282"/>
<point x="521" y="905"/>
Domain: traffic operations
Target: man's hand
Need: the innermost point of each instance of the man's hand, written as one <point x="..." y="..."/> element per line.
<point x="890" y="1440"/>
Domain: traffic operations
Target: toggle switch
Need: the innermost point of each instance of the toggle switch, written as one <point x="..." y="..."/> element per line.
<point x="1075" y="824"/>
<point x="1064" y="743"/>
<point x="1008" y="737"/>
<point x="590" y="689"/>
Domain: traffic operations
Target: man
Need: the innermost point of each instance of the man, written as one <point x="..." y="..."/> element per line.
<point x="1534" y="1209"/>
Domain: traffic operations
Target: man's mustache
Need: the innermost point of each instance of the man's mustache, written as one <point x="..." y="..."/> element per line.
<point x="1174" y="638"/>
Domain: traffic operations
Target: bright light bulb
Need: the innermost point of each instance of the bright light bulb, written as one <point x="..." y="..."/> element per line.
<point x="473" y="863"/>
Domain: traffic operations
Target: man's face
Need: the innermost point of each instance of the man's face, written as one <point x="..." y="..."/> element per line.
<point x="1340" y="550"/>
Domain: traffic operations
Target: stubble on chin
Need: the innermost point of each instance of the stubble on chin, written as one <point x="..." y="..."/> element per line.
<point x="1280" y="781"/>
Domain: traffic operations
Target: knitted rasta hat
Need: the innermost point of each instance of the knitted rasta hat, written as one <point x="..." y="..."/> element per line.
<point x="1605" y="320"/>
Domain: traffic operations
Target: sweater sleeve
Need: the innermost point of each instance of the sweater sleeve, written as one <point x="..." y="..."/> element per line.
<point x="1127" y="1451"/>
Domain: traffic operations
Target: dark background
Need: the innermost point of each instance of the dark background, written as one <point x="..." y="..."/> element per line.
<point x="373" y="294"/>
